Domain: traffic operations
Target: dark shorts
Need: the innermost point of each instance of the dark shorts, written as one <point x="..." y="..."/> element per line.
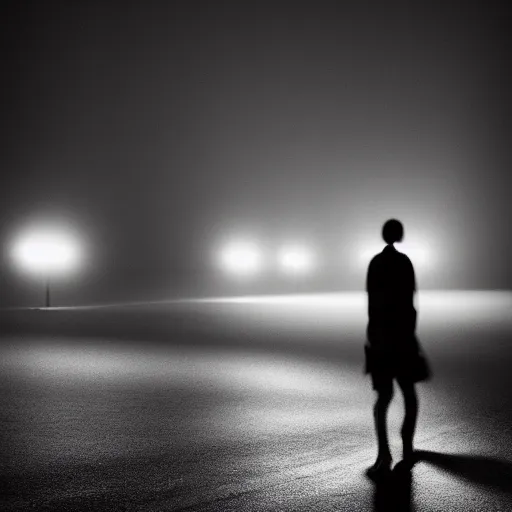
<point x="405" y="364"/>
<point x="382" y="381"/>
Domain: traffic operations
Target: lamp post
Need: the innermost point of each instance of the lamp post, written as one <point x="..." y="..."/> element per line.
<point x="48" y="252"/>
<point x="47" y="292"/>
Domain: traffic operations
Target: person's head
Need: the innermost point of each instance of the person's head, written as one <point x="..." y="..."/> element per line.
<point x="392" y="231"/>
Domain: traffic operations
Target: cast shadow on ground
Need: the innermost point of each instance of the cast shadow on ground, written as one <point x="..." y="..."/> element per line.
<point x="490" y="472"/>
<point x="395" y="491"/>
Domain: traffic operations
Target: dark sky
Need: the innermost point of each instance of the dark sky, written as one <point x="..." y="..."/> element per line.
<point x="158" y="128"/>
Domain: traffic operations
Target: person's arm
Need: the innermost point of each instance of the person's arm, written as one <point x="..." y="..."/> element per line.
<point x="413" y="286"/>
<point x="371" y="289"/>
<point x="367" y="351"/>
<point x="368" y="285"/>
<point x="374" y="296"/>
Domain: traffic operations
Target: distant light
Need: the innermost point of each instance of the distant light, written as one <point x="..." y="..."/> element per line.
<point x="46" y="250"/>
<point x="296" y="260"/>
<point x="241" y="258"/>
<point x="417" y="252"/>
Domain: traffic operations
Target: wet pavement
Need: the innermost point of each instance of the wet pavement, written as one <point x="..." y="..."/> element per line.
<point x="278" y="419"/>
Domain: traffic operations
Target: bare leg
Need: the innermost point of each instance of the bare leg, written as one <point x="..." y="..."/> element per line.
<point x="380" y="412"/>
<point x="411" y="414"/>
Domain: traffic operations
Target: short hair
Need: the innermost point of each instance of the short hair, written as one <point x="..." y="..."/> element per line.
<point x="392" y="231"/>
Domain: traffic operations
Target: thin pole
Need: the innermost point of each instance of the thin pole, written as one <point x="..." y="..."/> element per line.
<point x="47" y="291"/>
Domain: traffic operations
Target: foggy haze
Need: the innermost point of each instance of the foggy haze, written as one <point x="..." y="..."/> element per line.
<point x="158" y="131"/>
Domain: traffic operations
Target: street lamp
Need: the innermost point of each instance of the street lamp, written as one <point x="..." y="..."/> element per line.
<point x="241" y="258"/>
<point x="47" y="252"/>
<point x="296" y="260"/>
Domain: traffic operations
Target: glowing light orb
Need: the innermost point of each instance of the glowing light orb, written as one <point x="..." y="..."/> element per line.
<point x="241" y="258"/>
<point x="46" y="251"/>
<point x="296" y="260"/>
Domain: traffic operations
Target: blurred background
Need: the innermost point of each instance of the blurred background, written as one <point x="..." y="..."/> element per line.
<point x="246" y="155"/>
<point x="158" y="133"/>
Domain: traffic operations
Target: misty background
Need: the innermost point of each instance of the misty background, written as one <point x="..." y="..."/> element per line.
<point x="159" y="130"/>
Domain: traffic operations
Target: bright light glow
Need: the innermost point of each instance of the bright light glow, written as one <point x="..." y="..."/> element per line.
<point x="241" y="258"/>
<point x="296" y="260"/>
<point x="417" y="252"/>
<point x="46" y="251"/>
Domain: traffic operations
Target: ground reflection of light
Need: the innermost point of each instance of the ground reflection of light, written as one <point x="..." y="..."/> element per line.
<point x="345" y="309"/>
<point x="226" y="370"/>
<point x="342" y="299"/>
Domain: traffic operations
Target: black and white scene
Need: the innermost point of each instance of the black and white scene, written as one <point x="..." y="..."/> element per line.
<point x="255" y="256"/>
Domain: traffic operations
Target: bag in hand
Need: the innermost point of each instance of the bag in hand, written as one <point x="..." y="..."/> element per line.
<point x="420" y="369"/>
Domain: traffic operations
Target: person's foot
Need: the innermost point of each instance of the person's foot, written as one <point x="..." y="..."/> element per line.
<point x="381" y="467"/>
<point x="408" y="461"/>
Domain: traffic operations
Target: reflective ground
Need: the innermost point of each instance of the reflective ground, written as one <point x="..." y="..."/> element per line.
<point x="248" y="404"/>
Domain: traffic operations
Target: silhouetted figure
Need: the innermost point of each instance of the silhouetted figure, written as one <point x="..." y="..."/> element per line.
<point x="392" y="351"/>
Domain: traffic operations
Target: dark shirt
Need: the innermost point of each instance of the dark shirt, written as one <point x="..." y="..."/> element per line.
<point x="390" y="285"/>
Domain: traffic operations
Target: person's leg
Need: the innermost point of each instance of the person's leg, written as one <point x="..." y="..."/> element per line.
<point x="384" y="395"/>
<point x="411" y="414"/>
<point x="380" y="411"/>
